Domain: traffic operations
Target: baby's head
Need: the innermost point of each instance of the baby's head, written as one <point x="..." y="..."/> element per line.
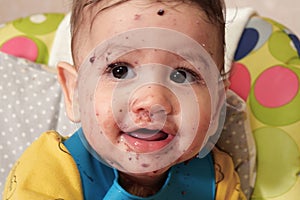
<point x="146" y="83"/>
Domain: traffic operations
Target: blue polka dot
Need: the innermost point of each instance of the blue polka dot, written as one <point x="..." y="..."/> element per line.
<point x="296" y="42"/>
<point x="247" y="43"/>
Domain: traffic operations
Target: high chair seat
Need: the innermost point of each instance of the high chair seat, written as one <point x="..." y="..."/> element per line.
<point x="262" y="125"/>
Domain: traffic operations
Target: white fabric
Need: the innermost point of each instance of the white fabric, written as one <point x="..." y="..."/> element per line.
<point x="61" y="48"/>
<point x="236" y="20"/>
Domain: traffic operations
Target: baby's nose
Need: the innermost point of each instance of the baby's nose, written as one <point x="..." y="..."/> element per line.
<point x="152" y="102"/>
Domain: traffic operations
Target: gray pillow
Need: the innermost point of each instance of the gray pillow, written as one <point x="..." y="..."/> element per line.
<point x="31" y="102"/>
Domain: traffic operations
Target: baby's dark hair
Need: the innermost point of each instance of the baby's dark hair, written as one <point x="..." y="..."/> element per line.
<point x="214" y="10"/>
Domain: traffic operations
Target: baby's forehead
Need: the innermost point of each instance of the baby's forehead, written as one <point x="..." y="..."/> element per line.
<point x="109" y="24"/>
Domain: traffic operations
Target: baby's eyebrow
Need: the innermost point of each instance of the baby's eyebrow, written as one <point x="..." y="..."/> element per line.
<point x="193" y="57"/>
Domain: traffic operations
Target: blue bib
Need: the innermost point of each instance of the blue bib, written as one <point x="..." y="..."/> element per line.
<point x="192" y="180"/>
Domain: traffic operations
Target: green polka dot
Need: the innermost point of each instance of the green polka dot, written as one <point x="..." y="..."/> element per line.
<point x="280" y="47"/>
<point x="279" y="116"/>
<point x="295" y="61"/>
<point x="278" y="162"/>
<point x="41" y="25"/>
<point x="43" y="53"/>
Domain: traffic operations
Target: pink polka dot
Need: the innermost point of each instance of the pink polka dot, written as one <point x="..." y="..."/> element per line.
<point x="276" y="87"/>
<point x="240" y="80"/>
<point x="21" y="47"/>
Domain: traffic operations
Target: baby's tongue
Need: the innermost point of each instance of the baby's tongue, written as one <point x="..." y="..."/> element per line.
<point x="148" y="135"/>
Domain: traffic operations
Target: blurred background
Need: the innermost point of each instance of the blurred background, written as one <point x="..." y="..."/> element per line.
<point x="286" y="12"/>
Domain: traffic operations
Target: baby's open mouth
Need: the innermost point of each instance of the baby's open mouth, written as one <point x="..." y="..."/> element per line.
<point x="146" y="140"/>
<point x="148" y="135"/>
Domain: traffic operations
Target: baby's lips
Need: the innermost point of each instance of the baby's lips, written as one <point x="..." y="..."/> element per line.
<point x="149" y="135"/>
<point x="152" y="128"/>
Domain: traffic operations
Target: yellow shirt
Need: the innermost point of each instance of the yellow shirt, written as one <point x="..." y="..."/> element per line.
<point x="47" y="171"/>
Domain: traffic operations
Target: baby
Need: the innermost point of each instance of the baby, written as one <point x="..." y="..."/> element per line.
<point x="147" y="91"/>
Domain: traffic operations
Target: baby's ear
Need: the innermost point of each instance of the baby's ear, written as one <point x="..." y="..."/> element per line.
<point x="67" y="77"/>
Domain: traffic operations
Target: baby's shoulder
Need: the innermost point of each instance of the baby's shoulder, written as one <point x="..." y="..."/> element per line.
<point x="228" y="182"/>
<point x="45" y="166"/>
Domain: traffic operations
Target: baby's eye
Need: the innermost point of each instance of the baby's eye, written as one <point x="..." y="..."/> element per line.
<point x="121" y="70"/>
<point x="182" y="75"/>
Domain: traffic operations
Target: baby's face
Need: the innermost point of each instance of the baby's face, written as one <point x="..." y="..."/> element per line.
<point x="136" y="101"/>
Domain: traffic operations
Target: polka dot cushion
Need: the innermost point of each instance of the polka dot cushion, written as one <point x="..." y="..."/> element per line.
<point x="237" y="140"/>
<point x="266" y="74"/>
<point x="31" y="103"/>
<point x="30" y="37"/>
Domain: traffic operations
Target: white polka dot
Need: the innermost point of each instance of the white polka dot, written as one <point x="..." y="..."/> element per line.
<point x="9" y="106"/>
<point x="236" y="146"/>
<point x="1" y="87"/>
<point x="14" y="152"/>
<point x="4" y="75"/>
<point x="28" y="143"/>
<point x="21" y="148"/>
<point x="1" y="147"/>
<point x="5" y="120"/>
<point x="27" y="121"/>
<point x="39" y="103"/>
<point x="10" y="129"/>
<point x="13" y="93"/>
<point x="22" y="112"/>
<point x="18" y="125"/>
<point x="2" y="170"/>
<point x="14" y="115"/>
<point x="40" y="126"/>
<point x="5" y="156"/>
<point x="10" y="165"/>
<point x="227" y="141"/>
<point x="23" y="134"/>
<point x="17" y="81"/>
<point x="3" y="133"/>
<point x="16" y="138"/>
<point x="4" y="97"/>
<point x="39" y="18"/>
<point x="32" y="130"/>
<point x="35" y="116"/>
<point x="8" y="143"/>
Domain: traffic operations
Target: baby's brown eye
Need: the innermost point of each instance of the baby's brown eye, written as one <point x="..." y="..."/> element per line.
<point x="182" y="76"/>
<point x="121" y="70"/>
